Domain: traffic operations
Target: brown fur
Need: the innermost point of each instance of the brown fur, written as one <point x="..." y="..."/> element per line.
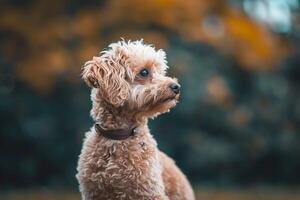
<point x="133" y="168"/>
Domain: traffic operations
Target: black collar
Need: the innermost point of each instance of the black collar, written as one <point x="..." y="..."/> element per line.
<point x="117" y="134"/>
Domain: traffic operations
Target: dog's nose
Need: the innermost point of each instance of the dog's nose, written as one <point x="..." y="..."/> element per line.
<point x="175" y="88"/>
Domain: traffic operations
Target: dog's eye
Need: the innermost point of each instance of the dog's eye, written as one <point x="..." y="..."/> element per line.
<point x="144" y="73"/>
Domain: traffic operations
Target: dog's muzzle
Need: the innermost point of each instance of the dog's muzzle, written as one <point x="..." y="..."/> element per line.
<point x="175" y="88"/>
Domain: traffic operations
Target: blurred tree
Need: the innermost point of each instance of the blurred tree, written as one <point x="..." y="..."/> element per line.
<point x="55" y="42"/>
<point x="238" y="120"/>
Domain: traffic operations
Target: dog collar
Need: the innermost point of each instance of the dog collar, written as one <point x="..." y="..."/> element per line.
<point x="117" y="134"/>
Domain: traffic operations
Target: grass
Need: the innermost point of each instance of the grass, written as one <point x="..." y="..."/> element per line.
<point x="248" y="194"/>
<point x="201" y="194"/>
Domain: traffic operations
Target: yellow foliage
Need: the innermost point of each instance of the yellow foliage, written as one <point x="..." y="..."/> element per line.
<point x="56" y="41"/>
<point x="217" y="91"/>
<point x="257" y="48"/>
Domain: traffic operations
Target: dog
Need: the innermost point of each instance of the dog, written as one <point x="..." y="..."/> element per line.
<point x="120" y="158"/>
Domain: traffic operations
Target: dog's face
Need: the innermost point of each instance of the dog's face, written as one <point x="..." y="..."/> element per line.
<point x="131" y="75"/>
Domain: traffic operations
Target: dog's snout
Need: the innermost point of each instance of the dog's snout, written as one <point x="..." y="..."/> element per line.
<point x="175" y="88"/>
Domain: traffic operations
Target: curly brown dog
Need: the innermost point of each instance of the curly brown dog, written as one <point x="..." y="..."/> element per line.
<point x="120" y="158"/>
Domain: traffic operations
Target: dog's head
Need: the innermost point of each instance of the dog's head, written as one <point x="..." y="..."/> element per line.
<point x="132" y="76"/>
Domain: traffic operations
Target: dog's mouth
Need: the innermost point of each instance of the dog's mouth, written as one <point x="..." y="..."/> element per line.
<point x="171" y="98"/>
<point x="163" y="105"/>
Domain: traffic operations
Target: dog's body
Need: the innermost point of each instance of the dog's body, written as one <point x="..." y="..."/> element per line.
<point x="124" y="93"/>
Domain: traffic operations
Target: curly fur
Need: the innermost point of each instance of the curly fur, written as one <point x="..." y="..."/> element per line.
<point x="133" y="168"/>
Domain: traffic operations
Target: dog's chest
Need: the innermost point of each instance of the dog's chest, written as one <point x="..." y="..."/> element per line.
<point x="126" y="162"/>
<point x="134" y="154"/>
<point x="122" y="168"/>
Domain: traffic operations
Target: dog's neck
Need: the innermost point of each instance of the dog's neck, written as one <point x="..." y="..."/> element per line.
<point x="111" y="118"/>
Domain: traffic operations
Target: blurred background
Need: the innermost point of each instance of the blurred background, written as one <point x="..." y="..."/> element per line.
<point x="236" y="131"/>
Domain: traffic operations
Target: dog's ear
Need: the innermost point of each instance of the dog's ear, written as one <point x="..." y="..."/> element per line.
<point x="109" y="76"/>
<point x="89" y="73"/>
